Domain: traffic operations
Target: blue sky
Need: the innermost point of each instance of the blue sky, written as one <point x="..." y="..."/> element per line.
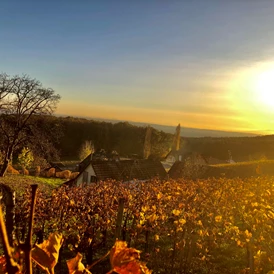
<point x="165" y="62"/>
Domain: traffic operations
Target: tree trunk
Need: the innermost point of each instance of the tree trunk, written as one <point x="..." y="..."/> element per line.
<point x="250" y="258"/>
<point x="4" y="168"/>
<point x="7" y="161"/>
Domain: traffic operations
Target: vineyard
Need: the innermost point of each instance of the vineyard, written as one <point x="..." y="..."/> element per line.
<point x="203" y="226"/>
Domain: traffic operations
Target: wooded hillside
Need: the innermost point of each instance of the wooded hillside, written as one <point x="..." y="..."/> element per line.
<point x="241" y="148"/>
<point x="122" y="137"/>
<point x="128" y="140"/>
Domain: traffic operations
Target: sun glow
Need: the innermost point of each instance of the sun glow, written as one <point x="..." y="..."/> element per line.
<point x="253" y="87"/>
<point x="264" y="87"/>
<point x="250" y="93"/>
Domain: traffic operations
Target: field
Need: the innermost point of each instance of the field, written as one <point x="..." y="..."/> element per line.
<point x="247" y="169"/>
<point x="236" y="170"/>
<point x="204" y="226"/>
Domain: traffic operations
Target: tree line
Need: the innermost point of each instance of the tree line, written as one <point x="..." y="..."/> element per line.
<point x="126" y="139"/>
<point x="129" y="140"/>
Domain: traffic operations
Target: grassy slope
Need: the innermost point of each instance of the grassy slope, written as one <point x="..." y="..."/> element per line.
<point x="21" y="182"/>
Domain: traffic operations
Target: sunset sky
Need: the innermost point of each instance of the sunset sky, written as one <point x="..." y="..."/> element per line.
<point x="204" y="64"/>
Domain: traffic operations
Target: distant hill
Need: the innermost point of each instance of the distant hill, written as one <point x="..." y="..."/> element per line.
<point x="187" y="131"/>
<point x="198" y="132"/>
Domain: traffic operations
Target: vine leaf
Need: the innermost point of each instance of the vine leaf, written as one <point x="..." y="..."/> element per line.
<point x="75" y="265"/>
<point x="46" y="254"/>
<point x="126" y="260"/>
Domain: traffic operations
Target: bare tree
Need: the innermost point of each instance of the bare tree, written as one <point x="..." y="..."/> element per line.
<point x="86" y="149"/>
<point x="147" y="143"/>
<point x="21" y="98"/>
<point x="5" y="85"/>
<point x="177" y="138"/>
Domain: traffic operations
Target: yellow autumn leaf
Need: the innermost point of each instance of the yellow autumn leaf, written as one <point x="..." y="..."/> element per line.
<point x="159" y="196"/>
<point x="200" y="223"/>
<point x="176" y="212"/>
<point x="182" y="221"/>
<point x="75" y="265"/>
<point x="156" y="237"/>
<point x="46" y="254"/>
<point x="248" y="234"/>
<point x="144" y="208"/>
<point x="218" y="219"/>
<point x="71" y="202"/>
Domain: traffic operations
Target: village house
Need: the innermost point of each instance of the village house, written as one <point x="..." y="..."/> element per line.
<point x="92" y="171"/>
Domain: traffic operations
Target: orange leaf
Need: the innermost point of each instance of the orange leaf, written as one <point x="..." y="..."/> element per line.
<point x="134" y="267"/>
<point x="46" y="254"/>
<point x="126" y="260"/>
<point x="75" y="265"/>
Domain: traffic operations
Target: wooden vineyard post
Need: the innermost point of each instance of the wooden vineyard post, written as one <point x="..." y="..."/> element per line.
<point x="119" y="219"/>
<point x="10" y="220"/>
<point x="7" y="196"/>
<point x="28" y="242"/>
<point x="12" y="267"/>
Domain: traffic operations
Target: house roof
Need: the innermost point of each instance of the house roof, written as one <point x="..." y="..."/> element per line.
<point x="204" y="171"/>
<point x="125" y="170"/>
<point x="85" y="163"/>
<point x="106" y="170"/>
<point x="142" y="169"/>
<point x="177" y="170"/>
<point x="128" y="169"/>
